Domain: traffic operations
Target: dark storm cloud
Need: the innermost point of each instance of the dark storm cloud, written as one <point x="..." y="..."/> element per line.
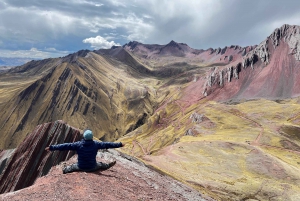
<point x="250" y="22"/>
<point x="73" y="8"/>
<point x="68" y="26"/>
<point x="221" y="23"/>
<point x="58" y="24"/>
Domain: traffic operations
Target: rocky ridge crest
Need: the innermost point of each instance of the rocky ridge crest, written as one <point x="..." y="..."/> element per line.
<point x="259" y="56"/>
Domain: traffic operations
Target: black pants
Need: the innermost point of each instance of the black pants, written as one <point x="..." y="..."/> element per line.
<point x="74" y="168"/>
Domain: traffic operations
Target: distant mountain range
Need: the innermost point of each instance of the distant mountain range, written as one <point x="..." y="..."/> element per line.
<point x="11" y="62"/>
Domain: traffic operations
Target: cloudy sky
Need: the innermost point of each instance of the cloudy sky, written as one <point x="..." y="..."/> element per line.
<point x="53" y="28"/>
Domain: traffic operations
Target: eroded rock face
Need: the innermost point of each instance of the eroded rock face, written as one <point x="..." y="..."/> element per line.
<point x="30" y="161"/>
<point x="219" y="76"/>
<point x="289" y="34"/>
<point x="224" y="50"/>
<point x="260" y="56"/>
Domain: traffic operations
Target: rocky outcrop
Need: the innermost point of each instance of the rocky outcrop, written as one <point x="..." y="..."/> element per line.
<point x="288" y="34"/>
<point x="30" y="161"/>
<point x="236" y="71"/>
<point x="257" y="56"/>
<point x="293" y="41"/>
<point x="224" y="50"/>
<point x="229" y="73"/>
<point x="189" y="132"/>
<point x="244" y="52"/>
<point x="4" y="156"/>
<point x="249" y="61"/>
<point x="218" y="50"/>
<point x="220" y="76"/>
<point x="196" y="118"/>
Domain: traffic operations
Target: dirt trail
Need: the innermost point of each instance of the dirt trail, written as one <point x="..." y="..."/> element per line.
<point x="255" y="142"/>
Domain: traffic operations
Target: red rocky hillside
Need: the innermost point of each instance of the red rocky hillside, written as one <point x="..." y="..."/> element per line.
<point x="30" y="161"/>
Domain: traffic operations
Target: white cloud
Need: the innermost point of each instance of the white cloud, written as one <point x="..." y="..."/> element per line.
<point x="118" y="3"/>
<point x="100" y="42"/>
<point x="51" y="49"/>
<point x="33" y="49"/>
<point x="136" y="27"/>
<point x="90" y="3"/>
<point x="36" y="25"/>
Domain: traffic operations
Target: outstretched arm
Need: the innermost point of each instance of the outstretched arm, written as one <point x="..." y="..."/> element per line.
<point x="107" y="145"/>
<point x="62" y="147"/>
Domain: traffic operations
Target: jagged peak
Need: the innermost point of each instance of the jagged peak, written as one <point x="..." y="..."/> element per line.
<point x="74" y="56"/>
<point x="81" y="53"/>
<point x="289" y="34"/>
<point x="172" y="43"/>
<point x="131" y="44"/>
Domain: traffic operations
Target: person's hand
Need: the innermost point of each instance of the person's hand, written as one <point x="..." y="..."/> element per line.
<point x="123" y="144"/>
<point x="47" y="149"/>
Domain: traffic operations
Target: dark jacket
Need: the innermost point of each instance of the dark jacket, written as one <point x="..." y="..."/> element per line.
<point x="86" y="150"/>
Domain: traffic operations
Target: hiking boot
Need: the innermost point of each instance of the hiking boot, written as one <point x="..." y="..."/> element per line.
<point x="111" y="164"/>
<point x="71" y="168"/>
<point x="65" y="170"/>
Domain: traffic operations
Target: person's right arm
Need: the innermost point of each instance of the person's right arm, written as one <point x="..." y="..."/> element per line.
<point x="63" y="147"/>
<point x="107" y="145"/>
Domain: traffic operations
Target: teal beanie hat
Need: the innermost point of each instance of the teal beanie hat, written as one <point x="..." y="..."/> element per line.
<point x="88" y="135"/>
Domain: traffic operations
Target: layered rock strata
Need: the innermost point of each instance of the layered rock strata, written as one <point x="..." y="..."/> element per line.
<point x="30" y="161"/>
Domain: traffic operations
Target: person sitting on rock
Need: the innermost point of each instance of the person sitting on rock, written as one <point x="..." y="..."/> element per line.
<point x="87" y="150"/>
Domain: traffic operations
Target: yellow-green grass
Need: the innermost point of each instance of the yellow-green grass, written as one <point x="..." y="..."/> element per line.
<point x="241" y="155"/>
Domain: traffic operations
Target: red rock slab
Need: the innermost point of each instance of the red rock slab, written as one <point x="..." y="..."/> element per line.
<point x="30" y="160"/>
